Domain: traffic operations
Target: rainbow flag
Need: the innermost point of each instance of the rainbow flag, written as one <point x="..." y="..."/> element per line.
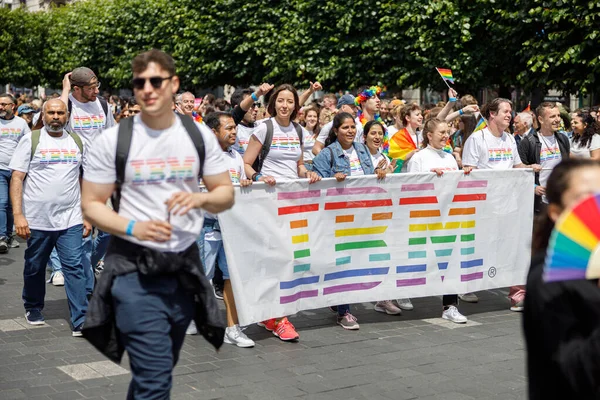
<point x="401" y="144"/>
<point x="448" y="148"/>
<point x="481" y="124"/>
<point x="446" y="74"/>
<point x="528" y="108"/>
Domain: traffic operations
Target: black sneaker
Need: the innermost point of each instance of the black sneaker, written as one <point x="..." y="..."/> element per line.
<point x="3" y="245"/>
<point x="12" y="243"/>
<point x="218" y="291"/>
<point x="34" y="317"/>
<point x="77" y="331"/>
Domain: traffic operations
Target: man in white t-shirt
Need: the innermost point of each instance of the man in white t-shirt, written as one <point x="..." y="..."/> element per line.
<point x="151" y="286"/>
<point x="493" y="148"/>
<point x="344" y="104"/>
<point x="47" y="212"/>
<point x="12" y="129"/>
<point x="89" y="116"/>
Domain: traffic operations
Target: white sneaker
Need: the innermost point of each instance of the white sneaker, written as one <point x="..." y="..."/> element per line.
<point x="234" y="335"/>
<point x="387" y="307"/>
<point x="58" y="279"/>
<point x="405" y="304"/>
<point x="452" y="314"/>
<point x="191" y="329"/>
<point x="469" y="297"/>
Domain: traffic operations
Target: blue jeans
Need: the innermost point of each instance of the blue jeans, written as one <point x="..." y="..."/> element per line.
<point x="54" y="262"/>
<point x="94" y="250"/>
<point x="6" y="213"/>
<point x="343" y="309"/>
<point x="212" y="251"/>
<point x="152" y="314"/>
<point x="68" y="245"/>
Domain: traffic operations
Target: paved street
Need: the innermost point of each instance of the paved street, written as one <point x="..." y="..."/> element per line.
<point x="413" y="356"/>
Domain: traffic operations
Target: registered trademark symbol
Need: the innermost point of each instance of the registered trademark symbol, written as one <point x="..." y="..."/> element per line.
<point x="492" y="272"/>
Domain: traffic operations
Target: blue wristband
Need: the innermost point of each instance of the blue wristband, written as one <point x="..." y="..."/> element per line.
<point x="452" y="99"/>
<point x="129" y="230"/>
<point x="460" y="112"/>
<point x="253" y="95"/>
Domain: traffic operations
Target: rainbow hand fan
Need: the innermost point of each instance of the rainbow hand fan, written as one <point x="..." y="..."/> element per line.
<point x="448" y="147"/>
<point x="574" y="249"/>
<point x="401" y="144"/>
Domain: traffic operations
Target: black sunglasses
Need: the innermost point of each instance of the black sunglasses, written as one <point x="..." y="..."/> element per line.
<point x="155" y="81"/>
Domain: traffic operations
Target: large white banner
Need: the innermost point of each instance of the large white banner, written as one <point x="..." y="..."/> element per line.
<point x="297" y="246"/>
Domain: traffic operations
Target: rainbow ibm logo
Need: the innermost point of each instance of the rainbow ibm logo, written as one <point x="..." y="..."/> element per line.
<point x="155" y="171"/>
<point x="10" y="133"/>
<point x="344" y="249"/>
<point x="58" y="156"/>
<point x="441" y="241"/>
<point x="500" y="154"/>
<point x="88" y="122"/>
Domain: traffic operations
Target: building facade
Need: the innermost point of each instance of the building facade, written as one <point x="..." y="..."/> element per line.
<point x="33" y="5"/>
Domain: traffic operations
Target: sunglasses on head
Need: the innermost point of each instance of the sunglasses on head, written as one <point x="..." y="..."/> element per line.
<point x="155" y="81"/>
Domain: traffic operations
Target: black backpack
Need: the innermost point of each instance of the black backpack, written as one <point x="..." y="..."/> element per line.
<point x="124" y="143"/>
<point x="258" y="163"/>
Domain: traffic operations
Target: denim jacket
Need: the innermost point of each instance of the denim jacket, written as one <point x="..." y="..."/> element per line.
<point x="326" y="167"/>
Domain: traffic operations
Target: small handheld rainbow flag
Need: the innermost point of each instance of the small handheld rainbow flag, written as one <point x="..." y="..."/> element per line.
<point x="446" y="75"/>
<point x="481" y="124"/>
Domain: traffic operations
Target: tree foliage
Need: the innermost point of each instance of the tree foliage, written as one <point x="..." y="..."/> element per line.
<point x="343" y="44"/>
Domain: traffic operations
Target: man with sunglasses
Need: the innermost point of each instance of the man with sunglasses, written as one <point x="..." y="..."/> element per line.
<point x="89" y="116"/>
<point x="12" y="129"/>
<point x="154" y="230"/>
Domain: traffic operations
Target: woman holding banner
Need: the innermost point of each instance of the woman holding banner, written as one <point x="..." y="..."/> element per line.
<point x="282" y="158"/>
<point x="433" y="158"/>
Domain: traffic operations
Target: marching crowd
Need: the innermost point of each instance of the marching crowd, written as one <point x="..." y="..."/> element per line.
<point x="106" y="193"/>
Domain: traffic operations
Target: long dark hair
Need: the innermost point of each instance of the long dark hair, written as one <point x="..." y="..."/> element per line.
<point x="317" y="128"/>
<point x="369" y="125"/>
<point x="591" y="127"/>
<point x="558" y="183"/>
<point x="337" y="122"/>
<point x="273" y="99"/>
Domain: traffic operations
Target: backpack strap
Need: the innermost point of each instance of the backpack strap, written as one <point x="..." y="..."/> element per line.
<point x="124" y="136"/>
<point x="77" y="140"/>
<point x="196" y="136"/>
<point x="104" y="105"/>
<point x="35" y="141"/>
<point x="299" y="132"/>
<point x="264" y="151"/>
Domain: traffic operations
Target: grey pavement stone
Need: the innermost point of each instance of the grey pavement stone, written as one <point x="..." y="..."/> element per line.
<point x="413" y="356"/>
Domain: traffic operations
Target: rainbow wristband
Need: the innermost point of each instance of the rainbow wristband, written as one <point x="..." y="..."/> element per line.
<point x="129" y="230"/>
<point x="254" y="97"/>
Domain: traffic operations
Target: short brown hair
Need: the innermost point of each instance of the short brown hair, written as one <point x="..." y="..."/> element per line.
<point x="493" y="106"/>
<point x="405" y="112"/>
<point x="273" y="99"/>
<point x="468" y="100"/>
<point x="141" y="61"/>
<point x="540" y="109"/>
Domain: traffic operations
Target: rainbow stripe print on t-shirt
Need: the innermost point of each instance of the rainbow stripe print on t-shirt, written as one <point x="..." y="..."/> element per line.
<point x="58" y="156"/>
<point x="355" y="167"/>
<point x="156" y="171"/>
<point x="502" y="154"/>
<point x="288" y="143"/>
<point x="234" y="175"/>
<point x="548" y="154"/>
<point x="88" y="122"/>
<point x="10" y="133"/>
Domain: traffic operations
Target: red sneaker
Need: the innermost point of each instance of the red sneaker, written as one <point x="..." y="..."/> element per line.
<point x="285" y="330"/>
<point x="269" y="324"/>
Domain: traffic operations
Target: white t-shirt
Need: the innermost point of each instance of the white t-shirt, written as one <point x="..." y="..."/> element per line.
<point x="355" y="167"/>
<point x="235" y="164"/>
<point x="243" y="138"/>
<point x="577" y="150"/>
<point x="51" y="192"/>
<point x="309" y="143"/>
<point x="324" y="133"/>
<point x="483" y="150"/>
<point x="282" y="160"/>
<point x="550" y="157"/>
<point x="429" y="158"/>
<point x="160" y="163"/>
<point x="377" y="158"/>
<point x="88" y="119"/>
<point x="11" y="131"/>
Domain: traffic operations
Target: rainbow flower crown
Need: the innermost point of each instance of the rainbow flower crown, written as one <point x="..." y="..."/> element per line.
<point x="367" y="94"/>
